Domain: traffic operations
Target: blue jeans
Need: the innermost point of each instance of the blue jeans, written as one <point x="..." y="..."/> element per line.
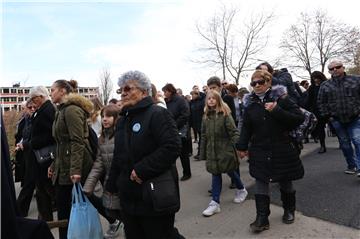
<point x="217" y="184"/>
<point x="349" y="134"/>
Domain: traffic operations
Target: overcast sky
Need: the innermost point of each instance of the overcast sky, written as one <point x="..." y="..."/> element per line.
<point x="43" y="42"/>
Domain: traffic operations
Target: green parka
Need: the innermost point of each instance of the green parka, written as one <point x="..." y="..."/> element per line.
<point x="71" y="133"/>
<point x="218" y="137"/>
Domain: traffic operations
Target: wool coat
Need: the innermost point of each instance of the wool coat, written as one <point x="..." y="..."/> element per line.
<point x="218" y="138"/>
<point x="70" y="130"/>
<point x="272" y="155"/>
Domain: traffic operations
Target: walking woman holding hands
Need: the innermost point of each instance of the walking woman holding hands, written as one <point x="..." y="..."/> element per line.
<point x="268" y="117"/>
<point x="218" y="137"/>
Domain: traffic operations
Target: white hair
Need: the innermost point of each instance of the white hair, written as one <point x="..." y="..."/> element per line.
<point x="142" y="80"/>
<point x="39" y="91"/>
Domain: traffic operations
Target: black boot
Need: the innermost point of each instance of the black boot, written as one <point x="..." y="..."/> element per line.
<point x="322" y="146"/>
<point x="322" y="150"/>
<point x="262" y="212"/>
<point x="288" y="200"/>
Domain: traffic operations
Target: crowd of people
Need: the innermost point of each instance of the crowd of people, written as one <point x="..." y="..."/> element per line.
<point x="141" y="135"/>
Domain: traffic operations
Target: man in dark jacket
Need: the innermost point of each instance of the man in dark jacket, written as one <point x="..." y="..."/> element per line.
<point x="214" y="83"/>
<point x="147" y="145"/>
<point x="339" y="101"/>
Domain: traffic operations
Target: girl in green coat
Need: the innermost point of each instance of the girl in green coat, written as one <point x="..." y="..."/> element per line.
<point x="219" y="135"/>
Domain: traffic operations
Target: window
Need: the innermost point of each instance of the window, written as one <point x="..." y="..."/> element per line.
<point x="20" y="91"/>
<point x="27" y="91"/>
<point x="13" y="91"/>
<point x="6" y="90"/>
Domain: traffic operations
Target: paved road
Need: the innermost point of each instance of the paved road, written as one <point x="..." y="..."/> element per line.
<point x="322" y="188"/>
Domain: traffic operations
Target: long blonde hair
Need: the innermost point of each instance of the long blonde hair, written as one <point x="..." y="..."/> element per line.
<point x="221" y="106"/>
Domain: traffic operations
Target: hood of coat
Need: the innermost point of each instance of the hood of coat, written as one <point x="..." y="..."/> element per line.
<point x="79" y="100"/>
<point x="274" y="93"/>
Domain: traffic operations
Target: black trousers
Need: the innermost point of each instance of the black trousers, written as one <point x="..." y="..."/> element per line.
<point x="184" y="157"/>
<point x="25" y="196"/>
<point x="63" y="201"/>
<point x="149" y="227"/>
<point x="44" y="198"/>
<point x="97" y="203"/>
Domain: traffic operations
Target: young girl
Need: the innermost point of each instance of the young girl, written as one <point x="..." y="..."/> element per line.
<point x="110" y="206"/>
<point x="219" y="135"/>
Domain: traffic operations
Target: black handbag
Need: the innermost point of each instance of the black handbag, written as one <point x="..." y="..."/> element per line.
<point x="163" y="191"/>
<point x="46" y="154"/>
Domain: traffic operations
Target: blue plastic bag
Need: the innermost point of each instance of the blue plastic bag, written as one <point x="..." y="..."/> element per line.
<point x="84" y="220"/>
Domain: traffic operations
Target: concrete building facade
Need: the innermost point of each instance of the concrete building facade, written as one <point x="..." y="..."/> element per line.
<point x="12" y="97"/>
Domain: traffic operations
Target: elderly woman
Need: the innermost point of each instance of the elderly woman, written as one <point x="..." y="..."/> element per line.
<point x="74" y="156"/>
<point x="146" y="145"/>
<point x="268" y="117"/>
<point x="40" y="137"/>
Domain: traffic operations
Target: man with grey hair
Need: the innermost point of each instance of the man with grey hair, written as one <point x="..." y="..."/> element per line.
<point x="339" y="101"/>
<point x="146" y="146"/>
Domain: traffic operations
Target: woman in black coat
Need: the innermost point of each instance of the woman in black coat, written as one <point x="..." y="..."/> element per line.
<point x="41" y="136"/>
<point x="268" y="117"/>
<point x="146" y="145"/>
<point x="319" y="132"/>
<point x="180" y="111"/>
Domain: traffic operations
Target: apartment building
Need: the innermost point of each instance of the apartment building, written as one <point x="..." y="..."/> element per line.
<point x="12" y="97"/>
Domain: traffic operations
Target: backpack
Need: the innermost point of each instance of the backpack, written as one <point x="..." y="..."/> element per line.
<point x="304" y="129"/>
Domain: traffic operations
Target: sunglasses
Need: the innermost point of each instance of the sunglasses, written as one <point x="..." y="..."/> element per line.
<point x="125" y="89"/>
<point x="260" y="82"/>
<point x="335" y="67"/>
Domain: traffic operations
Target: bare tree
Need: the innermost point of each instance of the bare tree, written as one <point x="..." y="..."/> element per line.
<point x="106" y="85"/>
<point x="317" y="38"/>
<point x="230" y="44"/>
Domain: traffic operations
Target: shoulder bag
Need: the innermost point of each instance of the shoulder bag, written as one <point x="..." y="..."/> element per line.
<point x="46" y="154"/>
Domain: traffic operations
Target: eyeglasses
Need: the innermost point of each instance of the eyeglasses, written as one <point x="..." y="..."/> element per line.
<point x="260" y="82"/>
<point x="224" y="83"/>
<point x="31" y="107"/>
<point x="335" y="67"/>
<point x="125" y="89"/>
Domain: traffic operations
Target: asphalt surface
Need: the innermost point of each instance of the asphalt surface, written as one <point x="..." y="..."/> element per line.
<point x="327" y="200"/>
<point x="326" y="192"/>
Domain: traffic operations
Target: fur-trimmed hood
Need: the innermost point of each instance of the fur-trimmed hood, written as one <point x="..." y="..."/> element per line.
<point x="79" y="100"/>
<point x="275" y="92"/>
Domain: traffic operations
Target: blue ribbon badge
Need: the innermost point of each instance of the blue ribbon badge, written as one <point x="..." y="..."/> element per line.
<point x="136" y="127"/>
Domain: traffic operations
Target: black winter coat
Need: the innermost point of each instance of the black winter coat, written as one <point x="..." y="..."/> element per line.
<point x="146" y="140"/>
<point x="179" y="109"/>
<point x="196" y="113"/>
<point x="272" y="155"/>
<point x="229" y="100"/>
<point x="41" y="132"/>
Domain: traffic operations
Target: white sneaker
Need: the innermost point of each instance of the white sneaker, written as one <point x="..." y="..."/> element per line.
<point x="113" y="230"/>
<point x="213" y="208"/>
<point x="240" y="195"/>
